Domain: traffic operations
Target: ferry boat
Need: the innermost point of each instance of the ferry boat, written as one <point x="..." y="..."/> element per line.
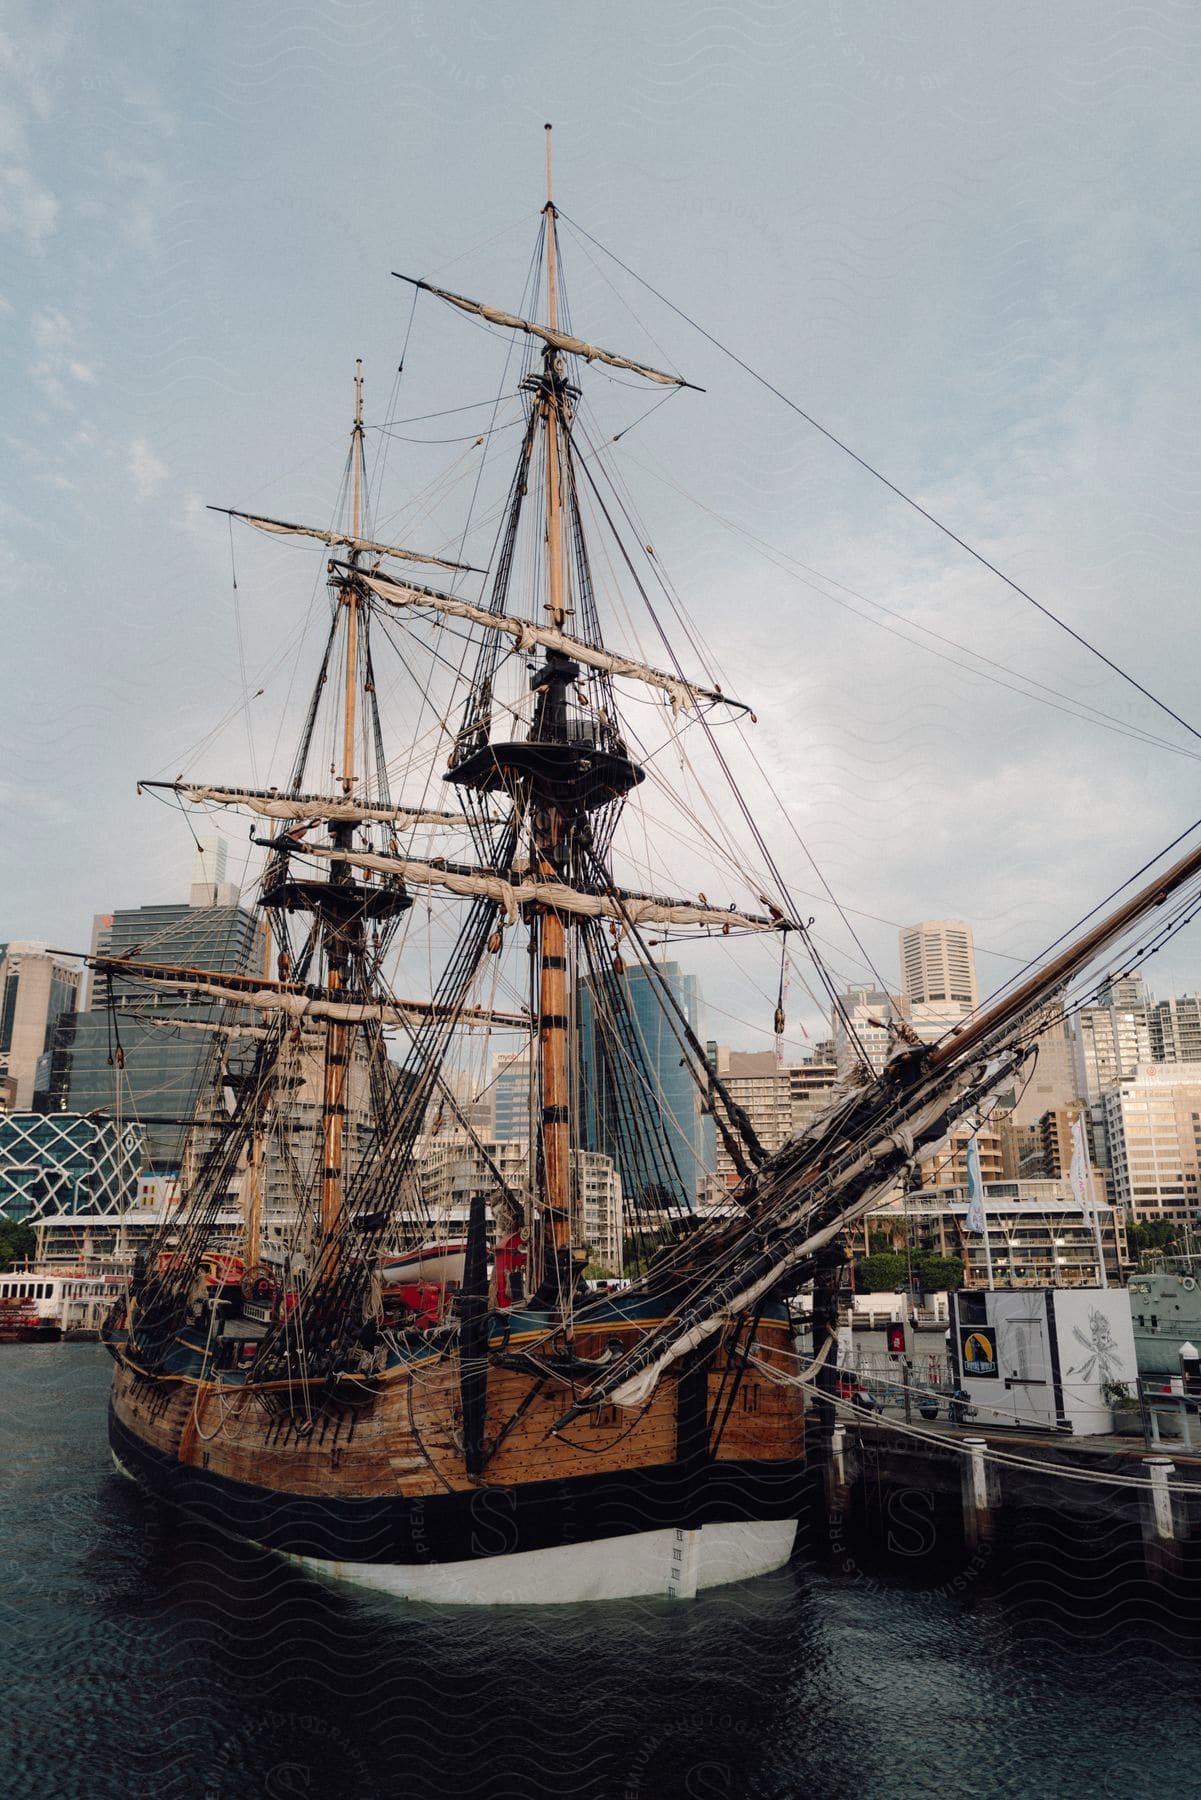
<point x="40" y="1305"/>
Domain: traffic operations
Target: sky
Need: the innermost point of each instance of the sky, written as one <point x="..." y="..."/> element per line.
<point x="964" y="239"/>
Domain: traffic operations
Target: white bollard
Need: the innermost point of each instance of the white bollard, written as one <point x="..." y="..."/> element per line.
<point x="1161" y="1470"/>
<point x="977" y="1509"/>
<point x="1162" y="1546"/>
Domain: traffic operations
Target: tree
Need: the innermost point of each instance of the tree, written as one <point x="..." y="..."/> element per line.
<point x="17" y="1242"/>
<point x="882" y="1272"/>
<point x="886" y="1271"/>
<point x="1152" y="1234"/>
<point x="939" y="1274"/>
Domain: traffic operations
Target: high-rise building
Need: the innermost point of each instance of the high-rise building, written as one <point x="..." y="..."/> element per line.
<point x="948" y="1168"/>
<point x="38" y="987"/>
<point x="1056" y="1143"/>
<point x="812" y="1085"/>
<point x="761" y="1087"/>
<point x="461" y="1102"/>
<point x="861" y="1024"/>
<point x="638" y="1102"/>
<point x="511" y="1094"/>
<point x="870" y="1025"/>
<point x="209" y="886"/>
<point x="1176" y="1029"/>
<point x="1050" y="1083"/>
<point x="1153" y="1127"/>
<point x="1112" y="1038"/>
<point x="938" y="966"/>
<point x="164" y="1071"/>
<point x="779" y="1099"/>
<point x="1021" y="1148"/>
<point x="1045" y="1150"/>
<point x="453" y="1168"/>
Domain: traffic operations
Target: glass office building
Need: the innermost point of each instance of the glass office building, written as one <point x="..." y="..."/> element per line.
<point x="638" y="1102"/>
<point x="54" y="1164"/>
<point x="165" y="1070"/>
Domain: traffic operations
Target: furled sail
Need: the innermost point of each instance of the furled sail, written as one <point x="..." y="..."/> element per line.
<point x="560" y="340"/>
<point x="629" y="909"/>
<point x="210" y="1025"/>
<point x="342" y="539"/>
<point x="271" y="804"/>
<point x="268" y="996"/>
<point x="525" y="633"/>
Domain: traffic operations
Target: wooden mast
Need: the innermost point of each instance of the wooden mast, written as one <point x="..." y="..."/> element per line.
<point x="350" y="593"/>
<point x="252" y="1220"/>
<point x="554" y="514"/>
<point x="336" y="1071"/>
<point x="553" y="996"/>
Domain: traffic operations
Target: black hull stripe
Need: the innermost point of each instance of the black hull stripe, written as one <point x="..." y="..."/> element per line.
<point x="461" y="1527"/>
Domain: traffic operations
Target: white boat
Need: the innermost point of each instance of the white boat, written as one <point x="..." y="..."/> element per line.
<point x="41" y="1304"/>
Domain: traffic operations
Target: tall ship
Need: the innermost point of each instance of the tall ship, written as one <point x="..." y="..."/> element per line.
<point x="473" y="847"/>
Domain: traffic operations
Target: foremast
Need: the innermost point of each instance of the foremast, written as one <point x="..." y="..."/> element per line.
<point x="341" y="904"/>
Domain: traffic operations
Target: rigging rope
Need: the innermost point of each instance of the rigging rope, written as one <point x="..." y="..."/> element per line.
<point x="892" y="486"/>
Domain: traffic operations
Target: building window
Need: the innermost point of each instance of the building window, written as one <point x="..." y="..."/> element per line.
<point x="10" y="1007"/>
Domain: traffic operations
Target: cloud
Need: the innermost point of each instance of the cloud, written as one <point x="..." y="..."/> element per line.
<point x="53" y="334"/>
<point x="28" y="209"/>
<point x="51" y="330"/>
<point x="148" y="471"/>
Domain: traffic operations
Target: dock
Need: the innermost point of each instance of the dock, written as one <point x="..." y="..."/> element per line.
<point x="988" y="1476"/>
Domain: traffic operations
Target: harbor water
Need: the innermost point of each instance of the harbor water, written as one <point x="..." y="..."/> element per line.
<point x="142" y="1657"/>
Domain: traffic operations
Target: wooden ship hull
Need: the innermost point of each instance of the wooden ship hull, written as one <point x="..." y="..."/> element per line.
<point x="698" y="1488"/>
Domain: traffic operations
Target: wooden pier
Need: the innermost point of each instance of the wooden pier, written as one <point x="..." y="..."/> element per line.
<point x="994" y="1473"/>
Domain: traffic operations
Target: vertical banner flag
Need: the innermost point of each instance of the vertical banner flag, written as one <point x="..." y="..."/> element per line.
<point x="975" y="1221"/>
<point x="1080" y="1175"/>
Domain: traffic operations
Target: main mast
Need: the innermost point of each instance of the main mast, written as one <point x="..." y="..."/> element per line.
<point x="567" y="776"/>
<point x="342" y="933"/>
<point x="549" y="828"/>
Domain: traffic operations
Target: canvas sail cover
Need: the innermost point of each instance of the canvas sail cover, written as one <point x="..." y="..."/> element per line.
<point x="525" y="633"/>
<point x="342" y="539"/>
<point x="560" y="340"/>
<point x="513" y="895"/>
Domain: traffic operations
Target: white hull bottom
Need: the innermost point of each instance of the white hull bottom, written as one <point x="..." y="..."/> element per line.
<point x="672" y="1563"/>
